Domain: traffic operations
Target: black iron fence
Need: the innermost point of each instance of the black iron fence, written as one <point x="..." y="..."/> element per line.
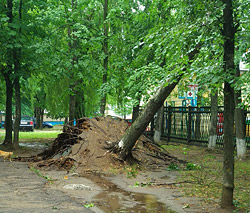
<point x="192" y="124"/>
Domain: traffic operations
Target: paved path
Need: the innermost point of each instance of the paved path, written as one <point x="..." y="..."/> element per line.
<point x="21" y="190"/>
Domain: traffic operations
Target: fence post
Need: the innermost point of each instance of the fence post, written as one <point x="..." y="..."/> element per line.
<point x="189" y="122"/>
<point x="169" y="123"/>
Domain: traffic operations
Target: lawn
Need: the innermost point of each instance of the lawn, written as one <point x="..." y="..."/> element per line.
<point x="202" y="175"/>
<point x="37" y="135"/>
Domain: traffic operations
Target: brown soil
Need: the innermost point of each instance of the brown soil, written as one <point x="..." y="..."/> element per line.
<point x="85" y="148"/>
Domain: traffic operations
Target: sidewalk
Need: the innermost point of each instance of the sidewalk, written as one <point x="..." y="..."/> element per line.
<point x="21" y="190"/>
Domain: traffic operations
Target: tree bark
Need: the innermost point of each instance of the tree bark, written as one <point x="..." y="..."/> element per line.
<point x="80" y="105"/>
<point x="73" y="85"/>
<point x="229" y="69"/>
<point x="126" y="144"/>
<point x="17" y="70"/>
<point x="8" y="111"/>
<point x="38" y="118"/>
<point x="136" y="111"/>
<point x="72" y="103"/>
<point x="18" y="113"/>
<point x="158" y="125"/>
<point x="240" y="123"/>
<point x="105" y="50"/>
<point x="9" y="84"/>
<point x="213" y="121"/>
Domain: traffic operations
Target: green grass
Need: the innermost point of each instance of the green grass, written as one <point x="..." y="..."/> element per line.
<point x="206" y="181"/>
<point x="36" y="135"/>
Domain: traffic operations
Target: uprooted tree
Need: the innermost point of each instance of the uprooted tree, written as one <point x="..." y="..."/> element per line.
<point x="124" y="146"/>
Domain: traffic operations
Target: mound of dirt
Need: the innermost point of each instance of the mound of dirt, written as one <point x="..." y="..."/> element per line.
<point x="83" y="147"/>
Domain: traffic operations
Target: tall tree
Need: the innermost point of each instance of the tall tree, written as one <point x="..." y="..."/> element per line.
<point x="229" y="70"/>
<point x="73" y="43"/>
<point x="7" y="72"/>
<point x="106" y="58"/>
<point x="17" y="71"/>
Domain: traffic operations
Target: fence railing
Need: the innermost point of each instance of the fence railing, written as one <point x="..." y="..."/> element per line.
<point x="192" y="124"/>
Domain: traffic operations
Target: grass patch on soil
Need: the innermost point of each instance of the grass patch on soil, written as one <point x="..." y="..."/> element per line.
<point x="203" y="175"/>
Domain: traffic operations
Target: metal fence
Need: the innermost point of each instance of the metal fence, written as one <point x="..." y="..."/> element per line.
<point x="192" y="124"/>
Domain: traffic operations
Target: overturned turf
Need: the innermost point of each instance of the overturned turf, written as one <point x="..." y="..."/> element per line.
<point x="83" y="147"/>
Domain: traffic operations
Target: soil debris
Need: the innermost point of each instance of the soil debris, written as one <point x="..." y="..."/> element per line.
<point x="82" y="147"/>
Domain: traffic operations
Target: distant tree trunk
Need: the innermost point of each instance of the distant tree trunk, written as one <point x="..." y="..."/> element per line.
<point x="105" y="50"/>
<point x="66" y="120"/>
<point x="80" y="105"/>
<point x="17" y="69"/>
<point x="41" y="117"/>
<point x="136" y="111"/>
<point x="228" y="58"/>
<point x="240" y="123"/>
<point x="158" y="125"/>
<point x="9" y="84"/>
<point x="38" y="118"/>
<point x="72" y="107"/>
<point x="213" y="121"/>
<point x="8" y="111"/>
<point x="18" y="113"/>
<point x="73" y="44"/>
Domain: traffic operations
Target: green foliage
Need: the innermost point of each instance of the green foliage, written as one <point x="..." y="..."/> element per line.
<point x="138" y="184"/>
<point x="173" y="167"/>
<point x="192" y="166"/>
<point x="89" y="205"/>
<point x="131" y="171"/>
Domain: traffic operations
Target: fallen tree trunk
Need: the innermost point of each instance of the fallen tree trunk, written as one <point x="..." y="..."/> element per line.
<point x="126" y="144"/>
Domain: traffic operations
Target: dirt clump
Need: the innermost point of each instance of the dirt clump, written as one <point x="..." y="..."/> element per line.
<point x="83" y="148"/>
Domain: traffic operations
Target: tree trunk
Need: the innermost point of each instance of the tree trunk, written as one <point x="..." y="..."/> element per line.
<point x="8" y="111"/>
<point x="136" y="111"/>
<point x="158" y="125"/>
<point x="240" y="123"/>
<point x="105" y="51"/>
<point x="9" y="85"/>
<point x="125" y="145"/>
<point x="213" y="121"/>
<point x="38" y="118"/>
<point x="41" y="117"/>
<point x="228" y="58"/>
<point x="66" y="121"/>
<point x="72" y="104"/>
<point x="18" y="113"/>
<point x="17" y="70"/>
<point x="73" y="44"/>
<point x="80" y="105"/>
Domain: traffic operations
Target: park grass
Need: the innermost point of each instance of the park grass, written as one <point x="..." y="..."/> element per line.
<point x="35" y="136"/>
<point x="204" y="180"/>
